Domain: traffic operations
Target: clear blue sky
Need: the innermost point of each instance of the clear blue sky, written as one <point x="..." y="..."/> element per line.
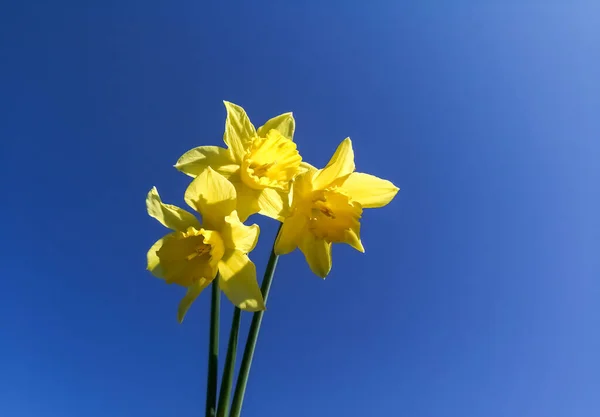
<point x="479" y="291"/>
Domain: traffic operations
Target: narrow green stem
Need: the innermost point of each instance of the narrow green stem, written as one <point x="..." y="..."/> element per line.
<point x="229" y="370"/>
<point x="213" y="350"/>
<point x="240" y="387"/>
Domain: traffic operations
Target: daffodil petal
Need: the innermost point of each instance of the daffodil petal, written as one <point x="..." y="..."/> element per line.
<point x="196" y="160"/>
<point x="247" y="200"/>
<point x="284" y="123"/>
<point x="340" y="164"/>
<point x="352" y="237"/>
<point x="317" y="252"/>
<point x="193" y="292"/>
<point x="212" y="196"/>
<point x="237" y="279"/>
<point x="273" y="203"/>
<point x="306" y="167"/>
<point x="291" y="232"/>
<point x="239" y="236"/>
<point x="368" y="190"/>
<point x="153" y="261"/>
<point x="171" y="216"/>
<point x="238" y="131"/>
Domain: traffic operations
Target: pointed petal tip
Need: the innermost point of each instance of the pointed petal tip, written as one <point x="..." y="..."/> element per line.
<point x="153" y="191"/>
<point x="360" y="247"/>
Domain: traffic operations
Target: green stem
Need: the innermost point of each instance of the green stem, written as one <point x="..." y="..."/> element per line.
<point x="240" y="387"/>
<point x="213" y="350"/>
<point x="229" y="370"/>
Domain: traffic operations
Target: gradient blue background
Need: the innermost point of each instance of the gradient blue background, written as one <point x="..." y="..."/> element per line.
<point x="479" y="291"/>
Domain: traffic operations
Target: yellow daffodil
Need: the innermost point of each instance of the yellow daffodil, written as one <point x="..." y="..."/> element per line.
<point x="327" y="206"/>
<point x="192" y="255"/>
<point x="260" y="163"/>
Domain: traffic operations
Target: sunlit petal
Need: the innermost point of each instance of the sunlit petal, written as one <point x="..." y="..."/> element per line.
<point x="247" y="200"/>
<point x="292" y="231"/>
<point x="238" y="131"/>
<point x="196" y="160"/>
<point x="212" y="196"/>
<point x="284" y="123"/>
<point x="237" y="235"/>
<point x="306" y="167"/>
<point x="273" y="203"/>
<point x="352" y="237"/>
<point x="237" y="279"/>
<point x="317" y="252"/>
<point x="153" y="261"/>
<point x="171" y="216"/>
<point x="340" y="164"/>
<point x="368" y="190"/>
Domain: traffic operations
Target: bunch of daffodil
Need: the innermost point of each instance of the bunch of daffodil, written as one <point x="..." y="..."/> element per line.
<point x="261" y="172"/>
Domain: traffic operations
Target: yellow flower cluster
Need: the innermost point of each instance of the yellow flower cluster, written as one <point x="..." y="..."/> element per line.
<point x="262" y="172"/>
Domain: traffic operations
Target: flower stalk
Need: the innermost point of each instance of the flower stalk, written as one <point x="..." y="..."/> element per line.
<point x="213" y="351"/>
<point x="228" y="371"/>
<point x="242" y="381"/>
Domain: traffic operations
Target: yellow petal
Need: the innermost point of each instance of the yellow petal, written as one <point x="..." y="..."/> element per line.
<point x="217" y="247"/>
<point x="306" y="167"/>
<point x="292" y="231"/>
<point x="273" y="203"/>
<point x="352" y="237"/>
<point x="238" y="131"/>
<point x="192" y="293"/>
<point x="340" y="164"/>
<point x="153" y="261"/>
<point x="237" y="279"/>
<point x="317" y="252"/>
<point x="284" y="123"/>
<point x="171" y="216"/>
<point x="247" y="200"/>
<point x="212" y="196"/>
<point x="196" y="160"/>
<point x="302" y="187"/>
<point x="368" y="190"/>
<point x="237" y="235"/>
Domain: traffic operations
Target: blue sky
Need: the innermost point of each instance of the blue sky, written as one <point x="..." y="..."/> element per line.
<point x="478" y="292"/>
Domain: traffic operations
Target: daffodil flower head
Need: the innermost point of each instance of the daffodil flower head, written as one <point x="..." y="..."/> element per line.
<point x="259" y="163"/>
<point x="193" y="254"/>
<point x="327" y="206"/>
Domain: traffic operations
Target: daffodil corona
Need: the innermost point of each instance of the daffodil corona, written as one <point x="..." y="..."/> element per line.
<point x="327" y="206"/>
<point x="259" y="163"/>
<point x="193" y="254"/>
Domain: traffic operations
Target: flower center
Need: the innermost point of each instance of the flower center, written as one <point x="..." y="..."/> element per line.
<point x="190" y="256"/>
<point x="201" y="250"/>
<point x="333" y="216"/>
<point x="271" y="162"/>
